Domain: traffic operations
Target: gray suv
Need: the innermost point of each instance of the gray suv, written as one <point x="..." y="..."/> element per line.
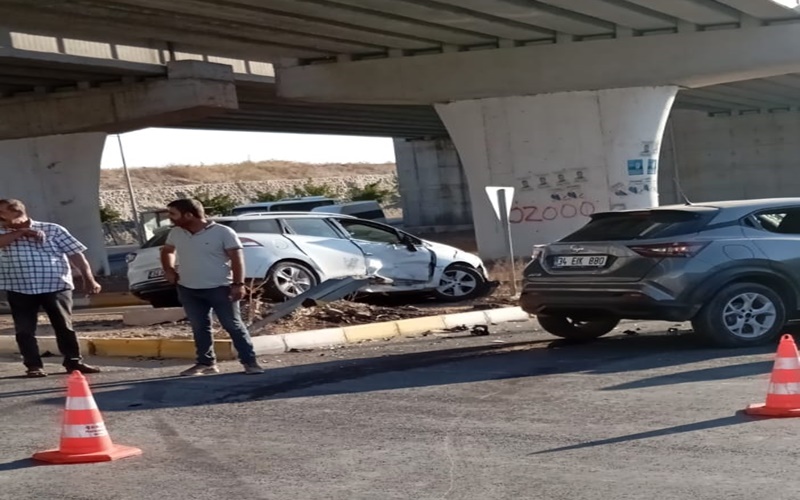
<point x="731" y="268"/>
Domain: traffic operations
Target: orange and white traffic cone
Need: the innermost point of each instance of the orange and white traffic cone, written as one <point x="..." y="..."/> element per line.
<point x="783" y="395"/>
<point x="84" y="438"/>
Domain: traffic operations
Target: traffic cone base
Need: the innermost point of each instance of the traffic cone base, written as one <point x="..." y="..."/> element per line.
<point x="783" y="395"/>
<point x="115" y="453"/>
<point x="762" y="410"/>
<point x="84" y="437"/>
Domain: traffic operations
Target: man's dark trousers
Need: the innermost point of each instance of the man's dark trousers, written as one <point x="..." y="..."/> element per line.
<point x="25" y="312"/>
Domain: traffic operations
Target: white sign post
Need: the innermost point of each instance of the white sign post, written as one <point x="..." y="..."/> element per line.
<point x="501" y="198"/>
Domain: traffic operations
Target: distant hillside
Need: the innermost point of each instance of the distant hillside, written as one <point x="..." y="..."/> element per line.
<point x="181" y="175"/>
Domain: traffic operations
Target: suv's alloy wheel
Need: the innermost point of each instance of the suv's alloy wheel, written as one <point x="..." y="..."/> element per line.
<point x="742" y="314"/>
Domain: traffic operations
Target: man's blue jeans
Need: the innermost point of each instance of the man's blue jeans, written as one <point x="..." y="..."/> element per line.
<point x="198" y="304"/>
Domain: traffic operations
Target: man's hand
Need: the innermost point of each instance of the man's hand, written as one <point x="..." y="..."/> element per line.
<point x="91" y="286"/>
<point x="171" y="275"/>
<point x="33" y="234"/>
<point x="237" y="293"/>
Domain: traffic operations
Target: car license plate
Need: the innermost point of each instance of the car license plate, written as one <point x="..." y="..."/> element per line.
<point x="155" y="273"/>
<point x="580" y="261"/>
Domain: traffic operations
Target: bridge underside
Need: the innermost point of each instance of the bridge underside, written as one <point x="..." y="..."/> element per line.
<point x="27" y="73"/>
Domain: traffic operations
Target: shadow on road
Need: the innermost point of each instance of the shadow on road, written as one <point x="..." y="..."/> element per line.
<point x="702" y="375"/>
<point x="739" y="418"/>
<point x="19" y="464"/>
<point x="440" y="367"/>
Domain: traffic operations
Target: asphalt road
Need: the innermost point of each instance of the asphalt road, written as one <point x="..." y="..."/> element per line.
<point x="505" y="416"/>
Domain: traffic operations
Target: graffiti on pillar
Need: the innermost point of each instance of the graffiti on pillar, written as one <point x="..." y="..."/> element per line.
<point x="552" y="196"/>
<point x="521" y="214"/>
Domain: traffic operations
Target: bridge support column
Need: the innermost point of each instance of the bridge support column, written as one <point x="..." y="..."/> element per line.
<point x="58" y="179"/>
<point x="433" y="189"/>
<point x="568" y="155"/>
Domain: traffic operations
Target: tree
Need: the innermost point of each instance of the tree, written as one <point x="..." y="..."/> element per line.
<point x="220" y="204"/>
<point x="109" y="214"/>
<point x="311" y="189"/>
<point x="372" y="191"/>
<point x="266" y="196"/>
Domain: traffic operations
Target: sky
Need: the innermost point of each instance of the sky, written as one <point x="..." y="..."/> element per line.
<point x="155" y="147"/>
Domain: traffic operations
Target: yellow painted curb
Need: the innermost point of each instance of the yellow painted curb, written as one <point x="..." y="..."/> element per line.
<point x="114" y="299"/>
<point x="132" y="348"/>
<point x="155" y="348"/>
<point x="184" y="349"/>
<point x="377" y="331"/>
<point x="417" y="326"/>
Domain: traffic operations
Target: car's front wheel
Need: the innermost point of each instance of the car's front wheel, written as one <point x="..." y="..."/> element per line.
<point x="576" y="329"/>
<point x="742" y="315"/>
<point x="289" y="279"/>
<point x="459" y="283"/>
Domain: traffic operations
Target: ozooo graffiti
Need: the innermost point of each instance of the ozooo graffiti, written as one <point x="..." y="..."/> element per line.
<point x="536" y="213"/>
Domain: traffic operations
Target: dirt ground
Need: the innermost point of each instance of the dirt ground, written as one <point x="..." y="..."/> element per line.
<point x="96" y="324"/>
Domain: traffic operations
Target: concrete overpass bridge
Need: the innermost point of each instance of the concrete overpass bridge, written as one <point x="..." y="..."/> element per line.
<point x="526" y="88"/>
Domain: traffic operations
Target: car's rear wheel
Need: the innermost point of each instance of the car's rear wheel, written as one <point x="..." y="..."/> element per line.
<point x="576" y="329"/>
<point x="459" y="283"/>
<point x="289" y="279"/>
<point x="741" y="315"/>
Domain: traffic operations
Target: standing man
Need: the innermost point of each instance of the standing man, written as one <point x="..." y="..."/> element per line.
<point x="35" y="272"/>
<point x="211" y="278"/>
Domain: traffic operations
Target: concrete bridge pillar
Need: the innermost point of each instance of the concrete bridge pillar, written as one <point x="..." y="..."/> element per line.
<point x="433" y="189"/>
<point x="58" y="179"/>
<point x="568" y="155"/>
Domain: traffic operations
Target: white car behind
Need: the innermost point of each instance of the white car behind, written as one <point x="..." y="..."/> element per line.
<point x="292" y="252"/>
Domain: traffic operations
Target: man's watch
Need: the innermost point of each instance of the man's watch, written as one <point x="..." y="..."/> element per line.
<point x="237" y="284"/>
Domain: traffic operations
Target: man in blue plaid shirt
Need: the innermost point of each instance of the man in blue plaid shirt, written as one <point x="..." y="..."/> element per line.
<point x="35" y="272"/>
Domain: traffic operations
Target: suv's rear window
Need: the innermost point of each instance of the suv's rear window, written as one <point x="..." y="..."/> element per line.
<point x="646" y="224"/>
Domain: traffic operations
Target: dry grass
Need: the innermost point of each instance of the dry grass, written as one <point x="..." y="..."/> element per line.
<point x="176" y="175"/>
<point x="500" y="270"/>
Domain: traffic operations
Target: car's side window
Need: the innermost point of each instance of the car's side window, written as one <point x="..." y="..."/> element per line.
<point x="367" y="232"/>
<point x="783" y="221"/>
<point x="268" y="226"/>
<point x="311" y="227"/>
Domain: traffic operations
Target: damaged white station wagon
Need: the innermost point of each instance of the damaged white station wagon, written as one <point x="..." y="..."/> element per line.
<point x="293" y="252"/>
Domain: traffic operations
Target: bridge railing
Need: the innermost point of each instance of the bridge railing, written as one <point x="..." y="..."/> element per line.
<point x="159" y="53"/>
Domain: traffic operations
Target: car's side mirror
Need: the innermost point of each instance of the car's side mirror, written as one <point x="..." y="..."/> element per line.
<point x="405" y="240"/>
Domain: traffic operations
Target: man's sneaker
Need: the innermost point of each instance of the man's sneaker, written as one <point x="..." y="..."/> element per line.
<point x="253" y="368"/>
<point x="83" y="368"/>
<point x="35" y="373"/>
<point x="200" y="370"/>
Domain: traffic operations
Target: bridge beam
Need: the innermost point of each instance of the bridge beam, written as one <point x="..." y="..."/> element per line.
<point x="688" y="59"/>
<point x="191" y="91"/>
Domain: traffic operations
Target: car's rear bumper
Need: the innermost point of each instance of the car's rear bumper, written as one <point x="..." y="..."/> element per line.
<point x="638" y="300"/>
<point x="152" y="288"/>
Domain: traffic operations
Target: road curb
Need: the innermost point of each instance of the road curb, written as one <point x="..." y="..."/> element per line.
<point x="277" y="344"/>
<point x="128" y="348"/>
<point x="415" y="327"/>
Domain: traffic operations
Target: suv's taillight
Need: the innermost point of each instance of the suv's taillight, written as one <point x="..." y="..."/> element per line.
<point x="669" y="249"/>
<point x="248" y="242"/>
<point x="537" y="251"/>
<point x="130" y="258"/>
